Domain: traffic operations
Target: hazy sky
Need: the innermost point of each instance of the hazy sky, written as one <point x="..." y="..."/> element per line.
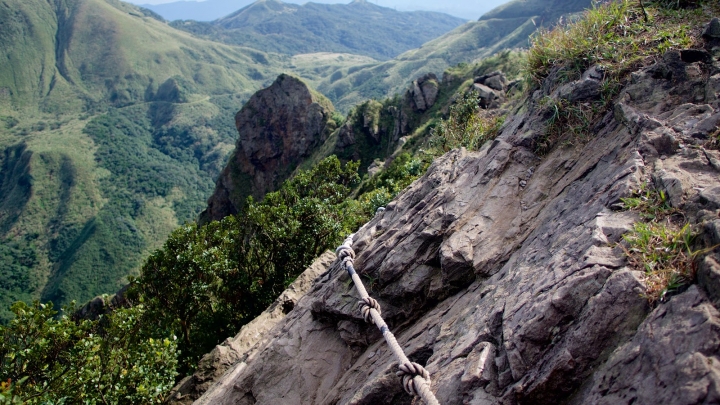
<point x="471" y="9"/>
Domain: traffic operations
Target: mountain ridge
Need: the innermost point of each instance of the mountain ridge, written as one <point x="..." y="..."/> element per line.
<point x="213" y="9"/>
<point x="359" y="27"/>
<point x="467" y="43"/>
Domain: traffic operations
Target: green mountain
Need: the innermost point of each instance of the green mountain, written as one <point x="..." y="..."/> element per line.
<point x="359" y="28"/>
<point x="112" y="128"/>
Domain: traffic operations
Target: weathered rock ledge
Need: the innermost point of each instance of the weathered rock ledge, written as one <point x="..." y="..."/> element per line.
<point x="500" y="271"/>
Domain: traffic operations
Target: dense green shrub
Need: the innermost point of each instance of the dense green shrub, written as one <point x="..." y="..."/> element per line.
<point x="208" y="281"/>
<point x="44" y="359"/>
<point x="382" y="188"/>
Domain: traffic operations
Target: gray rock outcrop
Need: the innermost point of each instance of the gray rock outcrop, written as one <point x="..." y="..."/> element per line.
<point x="278" y="127"/>
<point x="424" y="92"/>
<point x="711" y="34"/>
<point x="491" y="89"/>
<point x="501" y="271"/>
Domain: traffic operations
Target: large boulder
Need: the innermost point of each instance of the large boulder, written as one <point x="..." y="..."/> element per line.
<point x="278" y="128"/>
<point x="424" y="92"/>
<point x="491" y="89"/>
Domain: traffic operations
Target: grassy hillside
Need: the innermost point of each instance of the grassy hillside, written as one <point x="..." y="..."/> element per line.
<point x="113" y="126"/>
<point x="359" y="27"/>
<point x="508" y="27"/>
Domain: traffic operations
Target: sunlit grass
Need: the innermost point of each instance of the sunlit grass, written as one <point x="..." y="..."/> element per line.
<point x="617" y="35"/>
<point x="664" y="253"/>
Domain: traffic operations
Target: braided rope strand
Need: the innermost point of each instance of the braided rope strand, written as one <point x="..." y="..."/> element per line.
<point x="415" y="379"/>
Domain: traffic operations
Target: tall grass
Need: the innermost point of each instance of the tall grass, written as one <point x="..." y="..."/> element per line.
<point x="616" y="34"/>
<point x="465" y="127"/>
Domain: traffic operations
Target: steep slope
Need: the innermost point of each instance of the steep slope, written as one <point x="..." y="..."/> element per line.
<point x="358" y="28"/>
<point x="511" y="274"/>
<point x="495" y="31"/>
<point x="101" y="50"/>
<point x="112" y="128"/>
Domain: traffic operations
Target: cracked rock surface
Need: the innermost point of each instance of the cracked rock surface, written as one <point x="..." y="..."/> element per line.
<point x="500" y="271"/>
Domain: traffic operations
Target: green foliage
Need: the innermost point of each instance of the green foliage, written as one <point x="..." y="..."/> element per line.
<point x="10" y="122"/>
<point x="208" y="281"/>
<point x="338" y="118"/>
<point x="664" y="253"/>
<point x="101" y="191"/>
<point x="149" y="13"/>
<point x="570" y="122"/>
<point x="7" y="392"/>
<point x="93" y="257"/>
<point x="19" y="257"/>
<point x="652" y="204"/>
<point x="382" y="188"/>
<point x="151" y="152"/>
<point x="616" y="34"/>
<point x="125" y="147"/>
<point x="180" y="284"/>
<point x="372" y="123"/>
<point x="44" y="359"/>
<point x="465" y="127"/>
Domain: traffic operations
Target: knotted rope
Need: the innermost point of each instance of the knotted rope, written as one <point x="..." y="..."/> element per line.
<point x="415" y="379"/>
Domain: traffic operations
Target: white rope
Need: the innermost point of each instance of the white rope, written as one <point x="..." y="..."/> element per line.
<point x="415" y="379"/>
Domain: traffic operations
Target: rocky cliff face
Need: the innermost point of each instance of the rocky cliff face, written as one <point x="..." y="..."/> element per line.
<point x="501" y="270"/>
<point x="279" y="127"/>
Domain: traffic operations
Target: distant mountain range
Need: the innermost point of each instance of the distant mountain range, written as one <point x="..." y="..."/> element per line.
<point x="360" y="28"/>
<point x="112" y="127"/>
<point x="210" y="10"/>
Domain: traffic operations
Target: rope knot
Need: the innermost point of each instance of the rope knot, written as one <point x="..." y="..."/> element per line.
<point x="408" y="372"/>
<point x="344" y="251"/>
<point x="365" y="306"/>
<point x="347" y="260"/>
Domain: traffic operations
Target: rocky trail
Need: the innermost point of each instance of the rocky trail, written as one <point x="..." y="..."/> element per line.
<point x="503" y="272"/>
